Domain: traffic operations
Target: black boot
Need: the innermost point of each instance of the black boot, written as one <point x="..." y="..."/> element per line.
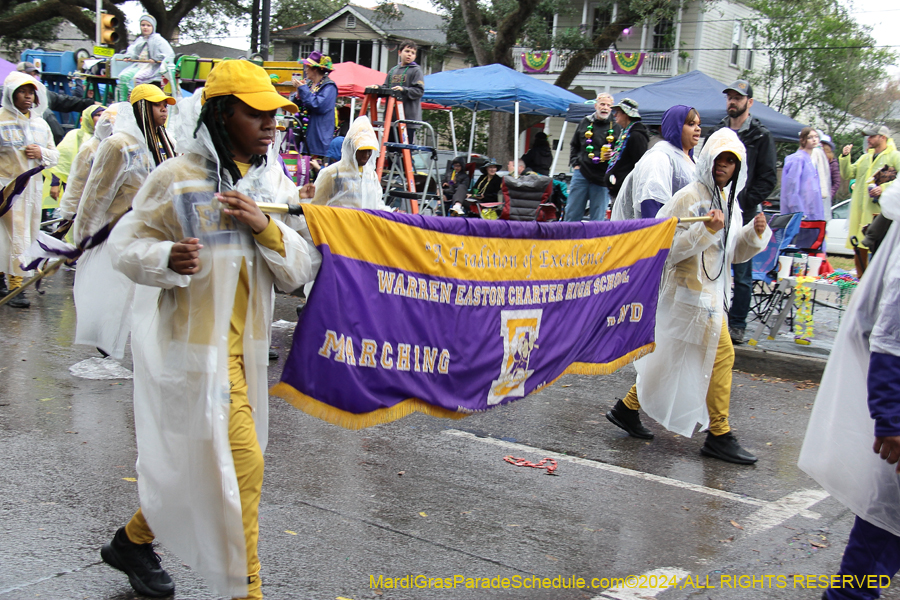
<point x="628" y="419"/>
<point x="19" y="301"/>
<point x="725" y="447"/>
<point x="140" y="563"/>
<point x="273" y="354"/>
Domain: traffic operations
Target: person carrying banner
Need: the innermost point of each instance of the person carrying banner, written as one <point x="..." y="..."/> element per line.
<point x="26" y="143"/>
<point x="206" y="259"/>
<point x="852" y="442"/>
<point x="664" y="170"/>
<point x="82" y="163"/>
<point x="351" y="181"/>
<point x="123" y="161"/>
<point x="686" y="381"/>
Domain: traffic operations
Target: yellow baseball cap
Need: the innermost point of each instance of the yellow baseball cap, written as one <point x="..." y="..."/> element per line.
<point x="248" y="83"/>
<point x="150" y="93"/>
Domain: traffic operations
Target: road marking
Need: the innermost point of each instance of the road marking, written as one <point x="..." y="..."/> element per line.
<point x="769" y="515"/>
<point x="775" y="513"/>
<point x="664" y="578"/>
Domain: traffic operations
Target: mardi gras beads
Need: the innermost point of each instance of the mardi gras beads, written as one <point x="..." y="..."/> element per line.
<point x="589" y="141"/>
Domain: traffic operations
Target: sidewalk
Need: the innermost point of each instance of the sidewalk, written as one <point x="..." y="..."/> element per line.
<point x="782" y="357"/>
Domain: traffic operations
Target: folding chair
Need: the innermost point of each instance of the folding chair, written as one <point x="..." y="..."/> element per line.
<point x="765" y="264"/>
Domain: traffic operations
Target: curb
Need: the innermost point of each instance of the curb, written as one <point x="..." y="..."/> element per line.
<point x="778" y="364"/>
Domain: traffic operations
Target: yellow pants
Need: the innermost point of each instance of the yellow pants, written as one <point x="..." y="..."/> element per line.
<point x="13" y="282"/>
<point x="248" y="466"/>
<point x="718" y="396"/>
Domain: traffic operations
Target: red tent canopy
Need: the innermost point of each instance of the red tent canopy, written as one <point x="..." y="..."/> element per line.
<point x="353" y="79"/>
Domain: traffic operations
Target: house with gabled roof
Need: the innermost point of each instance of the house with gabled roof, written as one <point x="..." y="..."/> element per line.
<point x="367" y="37"/>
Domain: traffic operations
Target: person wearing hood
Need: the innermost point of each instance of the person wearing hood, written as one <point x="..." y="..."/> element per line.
<point x="123" y="162"/>
<point x="664" y="170"/>
<point x="351" y="182"/>
<point x="588" y="157"/>
<point x="62" y="103"/>
<point x="866" y="195"/>
<point x="540" y="157"/>
<point x="630" y="147"/>
<point x="25" y="143"/>
<point x="686" y="381"/>
<point x="148" y="46"/>
<point x="852" y="442"/>
<point x="206" y="259"/>
<point x="71" y="144"/>
<point x="80" y="170"/>
<point x="800" y="189"/>
<point x="316" y="96"/>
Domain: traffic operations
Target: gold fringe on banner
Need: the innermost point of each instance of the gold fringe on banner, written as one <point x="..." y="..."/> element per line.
<point x="349" y="420"/>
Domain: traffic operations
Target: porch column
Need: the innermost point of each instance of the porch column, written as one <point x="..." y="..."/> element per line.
<point x="674" y="69"/>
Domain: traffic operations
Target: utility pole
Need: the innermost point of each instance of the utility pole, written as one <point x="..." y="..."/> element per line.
<point x="264" y="26"/>
<point x="254" y="27"/>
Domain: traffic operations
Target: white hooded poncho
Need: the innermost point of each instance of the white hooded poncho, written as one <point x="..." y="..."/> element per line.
<point x="673" y="380"/>
<point x="103" y="296"/>
<point x="153" y="47"/>
<point x="661" y="172"/>
<point x="344" y="183"/>
<point x="186" y="478"/>
<point x="19" y="226"/>
<point x="837" y="450"/>
<point x="84" y="160"/>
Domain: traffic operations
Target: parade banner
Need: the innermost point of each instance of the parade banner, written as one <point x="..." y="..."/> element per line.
<point x="454" y="316"/>
<point x="627" y="63"/>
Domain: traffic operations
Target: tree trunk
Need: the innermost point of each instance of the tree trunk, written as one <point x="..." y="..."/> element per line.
<point x="500" y="140"/>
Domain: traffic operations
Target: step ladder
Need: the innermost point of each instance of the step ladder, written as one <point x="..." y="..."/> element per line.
<point x="393" y="113"/>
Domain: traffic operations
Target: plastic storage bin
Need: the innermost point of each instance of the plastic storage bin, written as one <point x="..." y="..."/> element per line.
<point x="50" y="61"/>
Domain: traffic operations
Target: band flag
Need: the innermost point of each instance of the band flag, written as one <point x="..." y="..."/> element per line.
<point x="14" y="188"/>
<point x="454" y="316"/>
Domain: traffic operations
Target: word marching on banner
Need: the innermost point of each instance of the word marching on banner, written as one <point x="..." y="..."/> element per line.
<point x="454" y="316"/>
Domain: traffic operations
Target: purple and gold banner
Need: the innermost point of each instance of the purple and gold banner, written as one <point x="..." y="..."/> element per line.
<point x="453" y="316"/>
<point x="627" y="63"/>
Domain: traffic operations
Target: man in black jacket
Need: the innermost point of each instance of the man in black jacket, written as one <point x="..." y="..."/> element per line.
<point x="589" y="172"/>
<point x="761" y="179"/>
<point x="630" y="147"/>
<point x="56" y="102"/>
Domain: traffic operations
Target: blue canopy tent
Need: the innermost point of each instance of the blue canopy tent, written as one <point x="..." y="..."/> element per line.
<point x="703" y="93"/>
<point x="498" y="88"/>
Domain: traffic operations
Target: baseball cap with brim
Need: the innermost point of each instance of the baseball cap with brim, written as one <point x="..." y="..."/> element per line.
<point x="150" y="93"/>
<point x="248" y="83"/>
<point x="742" y="87"/>
<point x="629" y="107"/>
<point x="27" y="67"/>
<point x="877" y="130"/>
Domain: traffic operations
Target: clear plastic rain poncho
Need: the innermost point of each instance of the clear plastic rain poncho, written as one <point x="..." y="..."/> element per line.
<point x="84" y="160"/>
<point x="103" y="296"/>
<point x="661" y="172"/>
<point x="837" y="450"/>
<point x="672" y="381"/>
<point x="346" y="183"/>
<point x="180" y="340"/>
<point x="800" y="191"/>
<point x="70" y="145"/>
<point x="19" y="226"/>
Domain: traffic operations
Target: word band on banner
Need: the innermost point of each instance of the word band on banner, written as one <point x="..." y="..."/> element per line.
<point x="454" y="316"/>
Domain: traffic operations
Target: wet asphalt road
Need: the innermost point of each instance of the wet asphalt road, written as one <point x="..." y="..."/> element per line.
<point x="420" y="496"/>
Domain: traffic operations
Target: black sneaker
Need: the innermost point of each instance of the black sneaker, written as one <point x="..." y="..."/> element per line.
<point x="19" y="301"/>
<point x="628" y="419"/>
<point x="725" y="447"/>
<point x="3" y="289"/>
<point x="737" y="335"/>
<point x="273" y="354"/>
<point x="140" y="563"/>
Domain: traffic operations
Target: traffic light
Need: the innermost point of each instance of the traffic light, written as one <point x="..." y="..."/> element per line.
<point x="108" y="33"/>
